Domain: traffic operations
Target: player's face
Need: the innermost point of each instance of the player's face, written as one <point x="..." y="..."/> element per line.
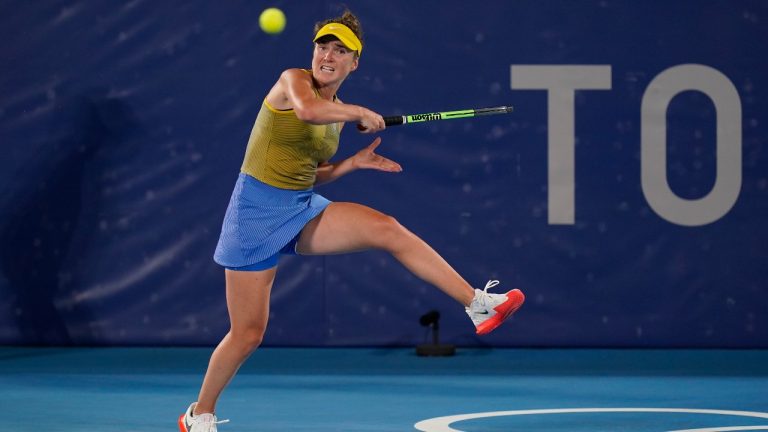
<point x="332" y="62"/>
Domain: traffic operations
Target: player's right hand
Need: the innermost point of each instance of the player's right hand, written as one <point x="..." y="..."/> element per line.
<point x="370" y="122"/>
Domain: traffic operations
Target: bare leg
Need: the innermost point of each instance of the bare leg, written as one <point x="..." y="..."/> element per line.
<point x="348" y="227"/>
<point x="248" y="305"/>
<point x="342" y="227"/>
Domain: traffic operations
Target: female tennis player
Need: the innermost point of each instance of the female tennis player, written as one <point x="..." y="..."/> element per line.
<point x="274" y="210"/>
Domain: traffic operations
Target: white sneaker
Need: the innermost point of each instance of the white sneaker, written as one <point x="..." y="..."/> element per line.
<point x="488" y="311"/>
<point x="198" y="423"/>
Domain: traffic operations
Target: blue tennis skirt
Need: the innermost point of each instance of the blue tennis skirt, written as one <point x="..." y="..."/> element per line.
<point x="262" y="219"/>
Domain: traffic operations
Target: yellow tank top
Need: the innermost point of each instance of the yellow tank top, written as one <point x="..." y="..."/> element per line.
<point x="284" y="151"/>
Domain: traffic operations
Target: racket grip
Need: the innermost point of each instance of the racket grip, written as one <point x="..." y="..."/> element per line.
<point x="394" y="120"/>
<point x="388" y="121"/>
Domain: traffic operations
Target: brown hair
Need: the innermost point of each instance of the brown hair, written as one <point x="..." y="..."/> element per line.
<point x="348" y="19"/>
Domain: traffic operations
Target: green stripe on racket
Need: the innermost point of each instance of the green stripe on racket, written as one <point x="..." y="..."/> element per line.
<point x="445" y="115"/>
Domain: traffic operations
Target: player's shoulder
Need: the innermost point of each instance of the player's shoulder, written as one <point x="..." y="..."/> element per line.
<point x="296" y="73"/>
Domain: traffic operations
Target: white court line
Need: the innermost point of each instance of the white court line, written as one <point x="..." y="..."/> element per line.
<point x="724" y="429"/>
<point x="443" y="424"/>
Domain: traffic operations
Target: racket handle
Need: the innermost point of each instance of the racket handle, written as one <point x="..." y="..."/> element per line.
<point x="388" y="121"/>
<point x="394" y="120"/>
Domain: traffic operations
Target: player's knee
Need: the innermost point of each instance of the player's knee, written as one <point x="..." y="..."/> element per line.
<point x="249" y="339"/>
<point x="390" y="233"/>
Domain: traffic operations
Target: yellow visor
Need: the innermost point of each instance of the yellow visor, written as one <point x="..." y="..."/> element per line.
<point x="343" y="33"/>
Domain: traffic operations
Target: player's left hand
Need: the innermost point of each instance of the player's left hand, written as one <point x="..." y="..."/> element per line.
<point x="368" y="159"/>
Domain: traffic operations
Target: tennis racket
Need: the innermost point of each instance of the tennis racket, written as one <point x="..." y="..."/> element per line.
<point x="445" y="115"/>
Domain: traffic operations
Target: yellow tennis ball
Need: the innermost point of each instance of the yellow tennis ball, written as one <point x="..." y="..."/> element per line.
<point x="272" y="20"/>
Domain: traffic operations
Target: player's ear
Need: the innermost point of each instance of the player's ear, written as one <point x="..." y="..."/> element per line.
<point x="355" y="63"/>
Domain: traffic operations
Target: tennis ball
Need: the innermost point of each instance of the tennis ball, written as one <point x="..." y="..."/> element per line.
<point x="272" y="20"/>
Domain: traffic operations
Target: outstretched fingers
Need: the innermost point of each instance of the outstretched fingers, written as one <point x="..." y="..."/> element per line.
<point x="368" y="159"/>
<point x="372" y="146"/>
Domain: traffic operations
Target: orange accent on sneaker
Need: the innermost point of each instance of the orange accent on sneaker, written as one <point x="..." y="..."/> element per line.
<point x="182" y="426"/>
<point x="503" y="311"/>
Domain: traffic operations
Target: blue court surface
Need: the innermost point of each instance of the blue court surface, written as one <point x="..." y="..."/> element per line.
<point x="334" y="389"/>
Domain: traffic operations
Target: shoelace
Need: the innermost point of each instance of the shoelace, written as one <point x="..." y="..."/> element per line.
<point x="490" y="284"/>
<point x="484" y="299"/>
<point x="211" y="423"/>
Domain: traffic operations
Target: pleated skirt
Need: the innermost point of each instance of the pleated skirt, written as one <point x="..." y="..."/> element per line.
<point x="262" y="219"/>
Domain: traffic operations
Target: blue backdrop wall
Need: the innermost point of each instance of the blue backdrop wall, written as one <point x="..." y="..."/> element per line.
<point x="627" y="194"/>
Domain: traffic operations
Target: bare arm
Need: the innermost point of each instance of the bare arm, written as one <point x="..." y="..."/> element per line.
<point x="364" y="159"/>
<point x="294" y="91"/>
